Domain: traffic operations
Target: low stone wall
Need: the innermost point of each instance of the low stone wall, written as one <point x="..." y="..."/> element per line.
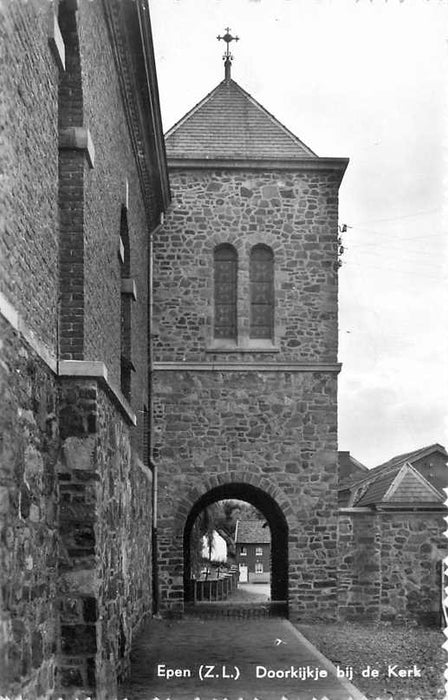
<point x="412" y="549"/>
<point x="28" y="493"/>
<point x="390" y="565"/>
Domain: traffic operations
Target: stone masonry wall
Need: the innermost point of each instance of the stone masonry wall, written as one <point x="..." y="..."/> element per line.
<point x="29" y="444"/>
<point x="123" y="532"/>
<point x="275" y="429"/>
<point x="359" y="556"/>
<point x="390" y="566"/>
<point x="293" y="213"/>
<point x="105" y="524"/>
<point x="78" y="580"/>
<point x="412" y="549"/>
<point x="29" y="180"/>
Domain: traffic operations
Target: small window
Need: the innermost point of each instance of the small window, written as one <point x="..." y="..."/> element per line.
<point x="225" y="271"/>
<point x="259" y="551"/>
<point x="258" y="567"/>
<point x="243" y="551"/>
<point x="261" y="274"/>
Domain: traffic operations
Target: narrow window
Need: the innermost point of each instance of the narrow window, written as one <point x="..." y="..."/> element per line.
<point x="258" y="567"/>
<point x="145" y="436"/>
<point x="259" y="551"/>
<point x="243" y="551"/>
<point x="261" y="276"/>
<point x="126" y="362"/>
<point x="225" y="270"/>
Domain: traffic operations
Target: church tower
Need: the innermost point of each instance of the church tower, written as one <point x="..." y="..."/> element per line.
<point x="245" y="343"/>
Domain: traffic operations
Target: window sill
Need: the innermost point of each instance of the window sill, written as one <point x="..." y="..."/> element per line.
<point x="250" y="346"/>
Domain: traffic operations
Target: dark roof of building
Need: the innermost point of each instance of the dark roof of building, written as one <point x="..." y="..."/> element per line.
<point x="404" y="485"/>
<point x="411" y="457"/>
<point x="394" y="464"/>
<point x="252" y="532"/>
<point x="349" y="468"/>
<point x="230" y="123"/>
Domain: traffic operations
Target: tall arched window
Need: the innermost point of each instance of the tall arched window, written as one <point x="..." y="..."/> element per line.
<point x="225" y="271"/>
<point x="261" y="276"/>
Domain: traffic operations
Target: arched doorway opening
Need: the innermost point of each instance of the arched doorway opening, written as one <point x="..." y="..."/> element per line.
<point x="277" y="525"/>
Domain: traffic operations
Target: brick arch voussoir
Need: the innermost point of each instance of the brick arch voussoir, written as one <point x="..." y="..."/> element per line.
<point x="266" y="238"/>
<point x="187" y="501"/>
<point x="222" y="237"/>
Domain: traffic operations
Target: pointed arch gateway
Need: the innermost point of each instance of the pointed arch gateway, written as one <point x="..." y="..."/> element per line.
<point x="277" y="524"/>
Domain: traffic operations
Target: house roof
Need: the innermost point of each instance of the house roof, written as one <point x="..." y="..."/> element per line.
<point x="402" y="486"/>
<point x="230" y="123"/>
<point x="411" y="457"/>
<point x="349" y="468"/>
<point x="394" y="464"/>
<point x="252" y="532"/>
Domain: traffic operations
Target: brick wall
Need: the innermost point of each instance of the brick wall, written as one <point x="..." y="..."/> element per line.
<point x="92" y="201"/>
<point x="28" y="519"/>
<point x="105" y="190"/>
<point x="93" y="276"/>
<point x="250" y="558"/>
<point x="29" y="180"/>
<point x="73" y="171"/>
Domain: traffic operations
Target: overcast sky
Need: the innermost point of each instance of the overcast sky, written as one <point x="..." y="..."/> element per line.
<point x="365" y="80"/>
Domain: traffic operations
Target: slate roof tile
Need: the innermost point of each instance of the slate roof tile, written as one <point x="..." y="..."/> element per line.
<point x="230" y="123"/>
<point x="392" y="465"/>
<point x="402" y="485"/>
<point x="252" y="532"/>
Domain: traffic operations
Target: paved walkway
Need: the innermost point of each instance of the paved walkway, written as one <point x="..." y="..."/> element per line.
<point x="230" y="659"/>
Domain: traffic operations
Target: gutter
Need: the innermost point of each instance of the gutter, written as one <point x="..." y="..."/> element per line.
<point x="152" y="464"/>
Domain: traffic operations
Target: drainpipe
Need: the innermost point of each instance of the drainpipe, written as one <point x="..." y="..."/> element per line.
<point x="152" y="464"/>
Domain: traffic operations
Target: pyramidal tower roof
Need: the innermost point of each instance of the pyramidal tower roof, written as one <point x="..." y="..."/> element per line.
<point x="230" y="124"/>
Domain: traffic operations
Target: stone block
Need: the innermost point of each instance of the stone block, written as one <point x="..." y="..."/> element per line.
<point x="70" y="677"/>
<point x="36" y="649"/>
<point x="78" y="639"/>
<point x="4" y="500"/>
<point x="79" y="453"/>
<point x="83" y="582"/>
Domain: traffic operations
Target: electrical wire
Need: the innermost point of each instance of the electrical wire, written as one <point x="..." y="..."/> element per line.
<point x="394" y="270"/>
<point x="396" y="218"/>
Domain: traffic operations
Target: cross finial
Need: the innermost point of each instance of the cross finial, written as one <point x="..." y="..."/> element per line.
<point x="227" y="57"/>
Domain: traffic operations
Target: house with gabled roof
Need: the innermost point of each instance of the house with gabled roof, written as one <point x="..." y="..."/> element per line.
<point x="403" y="488"/>
<point x="419" y="476"/>
<point x="253" y="550"/>
<point x="392" y="542"/>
